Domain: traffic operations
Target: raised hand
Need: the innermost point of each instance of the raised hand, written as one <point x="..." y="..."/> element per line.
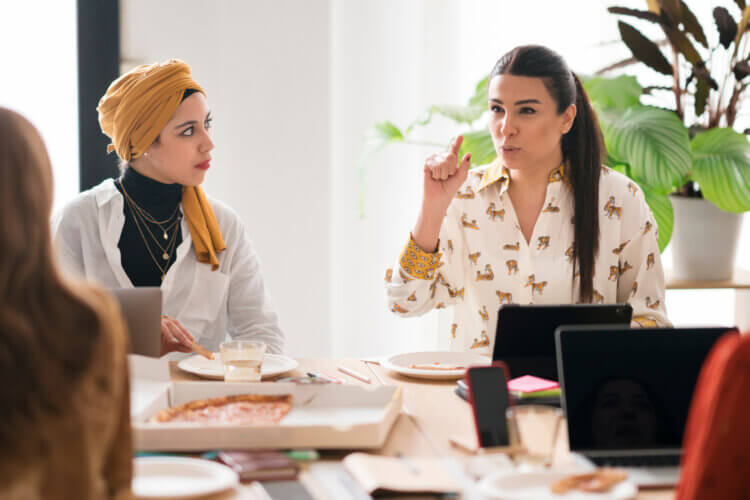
<point x="443" y="175"/>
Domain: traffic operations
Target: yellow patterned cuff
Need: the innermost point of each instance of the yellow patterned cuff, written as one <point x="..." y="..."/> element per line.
<point x="418" y="263"/>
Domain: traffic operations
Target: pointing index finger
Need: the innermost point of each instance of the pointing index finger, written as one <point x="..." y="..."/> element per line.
<point x="456" y="146"/>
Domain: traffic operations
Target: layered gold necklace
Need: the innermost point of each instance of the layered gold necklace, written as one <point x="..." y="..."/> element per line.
<point x="142" y="218"/>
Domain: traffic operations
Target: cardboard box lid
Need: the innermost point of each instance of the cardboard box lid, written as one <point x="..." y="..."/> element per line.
<point x="149" y="384"/>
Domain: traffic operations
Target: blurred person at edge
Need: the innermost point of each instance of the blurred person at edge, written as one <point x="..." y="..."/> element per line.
<point x="65" y="411"/>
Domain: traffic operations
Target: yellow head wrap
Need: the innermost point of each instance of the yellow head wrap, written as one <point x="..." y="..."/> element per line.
<point x="134" y="111"/>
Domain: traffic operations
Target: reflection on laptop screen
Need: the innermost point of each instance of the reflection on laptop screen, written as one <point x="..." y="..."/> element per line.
<point x="630" y="389"/>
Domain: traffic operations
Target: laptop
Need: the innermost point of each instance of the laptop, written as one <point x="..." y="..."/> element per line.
<point x="627" y="392"/>
<point x="141" y="308"/>
<point x="525" y="335"/>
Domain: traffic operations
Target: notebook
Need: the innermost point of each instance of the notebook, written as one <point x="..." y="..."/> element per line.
<point x="382" y="475"/>
<point x="260" y="465"/>
<point x="626" y="395"/>
<point x="525" y="338"/>
<point x="525" y="390"/>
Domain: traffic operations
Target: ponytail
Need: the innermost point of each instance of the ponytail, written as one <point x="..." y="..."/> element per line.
<point x="583" y="150"/>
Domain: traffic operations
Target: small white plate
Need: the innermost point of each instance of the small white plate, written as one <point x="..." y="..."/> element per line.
<point x="273" y="364"/>
<point x="401" y="363"/>
<point x="536" y="486"/>
<point x="177" y="477"/>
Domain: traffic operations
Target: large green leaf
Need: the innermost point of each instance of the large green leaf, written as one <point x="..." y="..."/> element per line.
<point x="721" y="167"/>
<point x="479" y="144"/>
<point x="622" y="92"/>
<point x="661" y="206"/>
<point x="381" y="135"/>
<point x="467" y="114"/>
<point x="480" y="93"/>
<point x="385" y="132"/>
<point x="461" y="114"/>
<point x="654" y="142"/>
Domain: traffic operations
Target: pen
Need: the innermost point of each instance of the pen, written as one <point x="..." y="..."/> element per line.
<point x="335" y="379"/>
<point x="354" y="374"/>
<point x="323" y="376"/>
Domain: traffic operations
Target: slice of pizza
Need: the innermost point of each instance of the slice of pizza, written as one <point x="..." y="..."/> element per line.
<point x="244" y="409"/>
<point x="599" y="481"/>
<point x="436" y="366"/>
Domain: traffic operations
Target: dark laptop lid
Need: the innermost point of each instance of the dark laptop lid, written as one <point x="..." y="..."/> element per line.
<point x="525" y="335"/>
<point x="629" y="390"/>
<point x="141" y="309"/>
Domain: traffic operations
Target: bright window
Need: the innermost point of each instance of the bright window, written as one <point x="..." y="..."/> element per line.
<point x="39" y="79"/>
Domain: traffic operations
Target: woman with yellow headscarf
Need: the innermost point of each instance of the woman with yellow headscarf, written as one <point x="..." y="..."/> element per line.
<point x="154" y="226"/>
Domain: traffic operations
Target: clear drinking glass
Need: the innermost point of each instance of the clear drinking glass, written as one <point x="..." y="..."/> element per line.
<point x="536" y="427"/>
<point x="242" y="360"/>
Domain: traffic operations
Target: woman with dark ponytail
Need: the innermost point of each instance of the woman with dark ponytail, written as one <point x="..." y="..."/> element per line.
<point x="545" y="223"/>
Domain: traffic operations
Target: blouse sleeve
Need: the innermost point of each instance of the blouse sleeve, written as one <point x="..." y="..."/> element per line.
<point x="423" y="281"/>
<point x="641" y="275"/>
<point x="251" y="312"/>
<point x="66" y="233"/>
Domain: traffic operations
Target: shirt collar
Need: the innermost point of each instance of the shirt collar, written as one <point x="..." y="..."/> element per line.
<point x="497" y="172"/>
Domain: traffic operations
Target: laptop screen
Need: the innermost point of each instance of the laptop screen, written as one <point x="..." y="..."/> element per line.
<point x="525" y="338"/>
<point x="629" y="389"/>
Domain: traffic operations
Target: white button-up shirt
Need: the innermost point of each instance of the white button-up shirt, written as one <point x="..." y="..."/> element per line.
<point x="484" y="261"/>
<point x="209" y="304"/>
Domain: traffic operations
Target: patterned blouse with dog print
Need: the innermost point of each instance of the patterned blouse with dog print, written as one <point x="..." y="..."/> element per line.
<point x="483" y="260"/>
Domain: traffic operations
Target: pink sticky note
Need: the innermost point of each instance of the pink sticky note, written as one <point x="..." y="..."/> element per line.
<point x="530" y="383"/>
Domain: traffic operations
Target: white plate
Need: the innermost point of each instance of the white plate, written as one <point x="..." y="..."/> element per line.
<point x="273" y="364"/>
<point x="173" y="477"/>
<point x="400" y="363"/>
<point x="535" y="486"/>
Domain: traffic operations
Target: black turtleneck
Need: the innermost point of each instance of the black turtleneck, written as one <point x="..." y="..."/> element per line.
<point x="159" y="201"/>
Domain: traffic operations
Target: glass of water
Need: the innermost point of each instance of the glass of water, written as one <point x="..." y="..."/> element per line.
<point x="242" y="360"/>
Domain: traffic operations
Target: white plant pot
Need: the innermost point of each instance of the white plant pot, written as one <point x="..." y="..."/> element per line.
<point x="704" y="240"/>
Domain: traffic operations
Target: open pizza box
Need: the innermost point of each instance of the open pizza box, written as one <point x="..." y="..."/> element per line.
<point x="327" y="416"/>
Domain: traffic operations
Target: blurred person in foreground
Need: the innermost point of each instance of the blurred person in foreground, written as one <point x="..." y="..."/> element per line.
<point x="65" y="411"/>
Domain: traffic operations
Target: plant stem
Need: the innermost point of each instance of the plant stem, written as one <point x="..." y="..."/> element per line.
<point x="676" y="86"/>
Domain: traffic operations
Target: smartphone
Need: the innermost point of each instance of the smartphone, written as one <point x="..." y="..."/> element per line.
<point x="488" y="395"/>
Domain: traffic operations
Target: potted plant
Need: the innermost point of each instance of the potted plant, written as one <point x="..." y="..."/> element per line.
<point x="691" y="150"/>
<point x="686" y="154"/>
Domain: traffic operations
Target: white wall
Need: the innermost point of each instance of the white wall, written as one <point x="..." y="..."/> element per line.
<point x="265" y="67"/>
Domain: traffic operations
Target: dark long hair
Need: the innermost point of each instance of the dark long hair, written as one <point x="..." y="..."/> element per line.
<point x="47" y="324"/>
<point x="582" y="147"/>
